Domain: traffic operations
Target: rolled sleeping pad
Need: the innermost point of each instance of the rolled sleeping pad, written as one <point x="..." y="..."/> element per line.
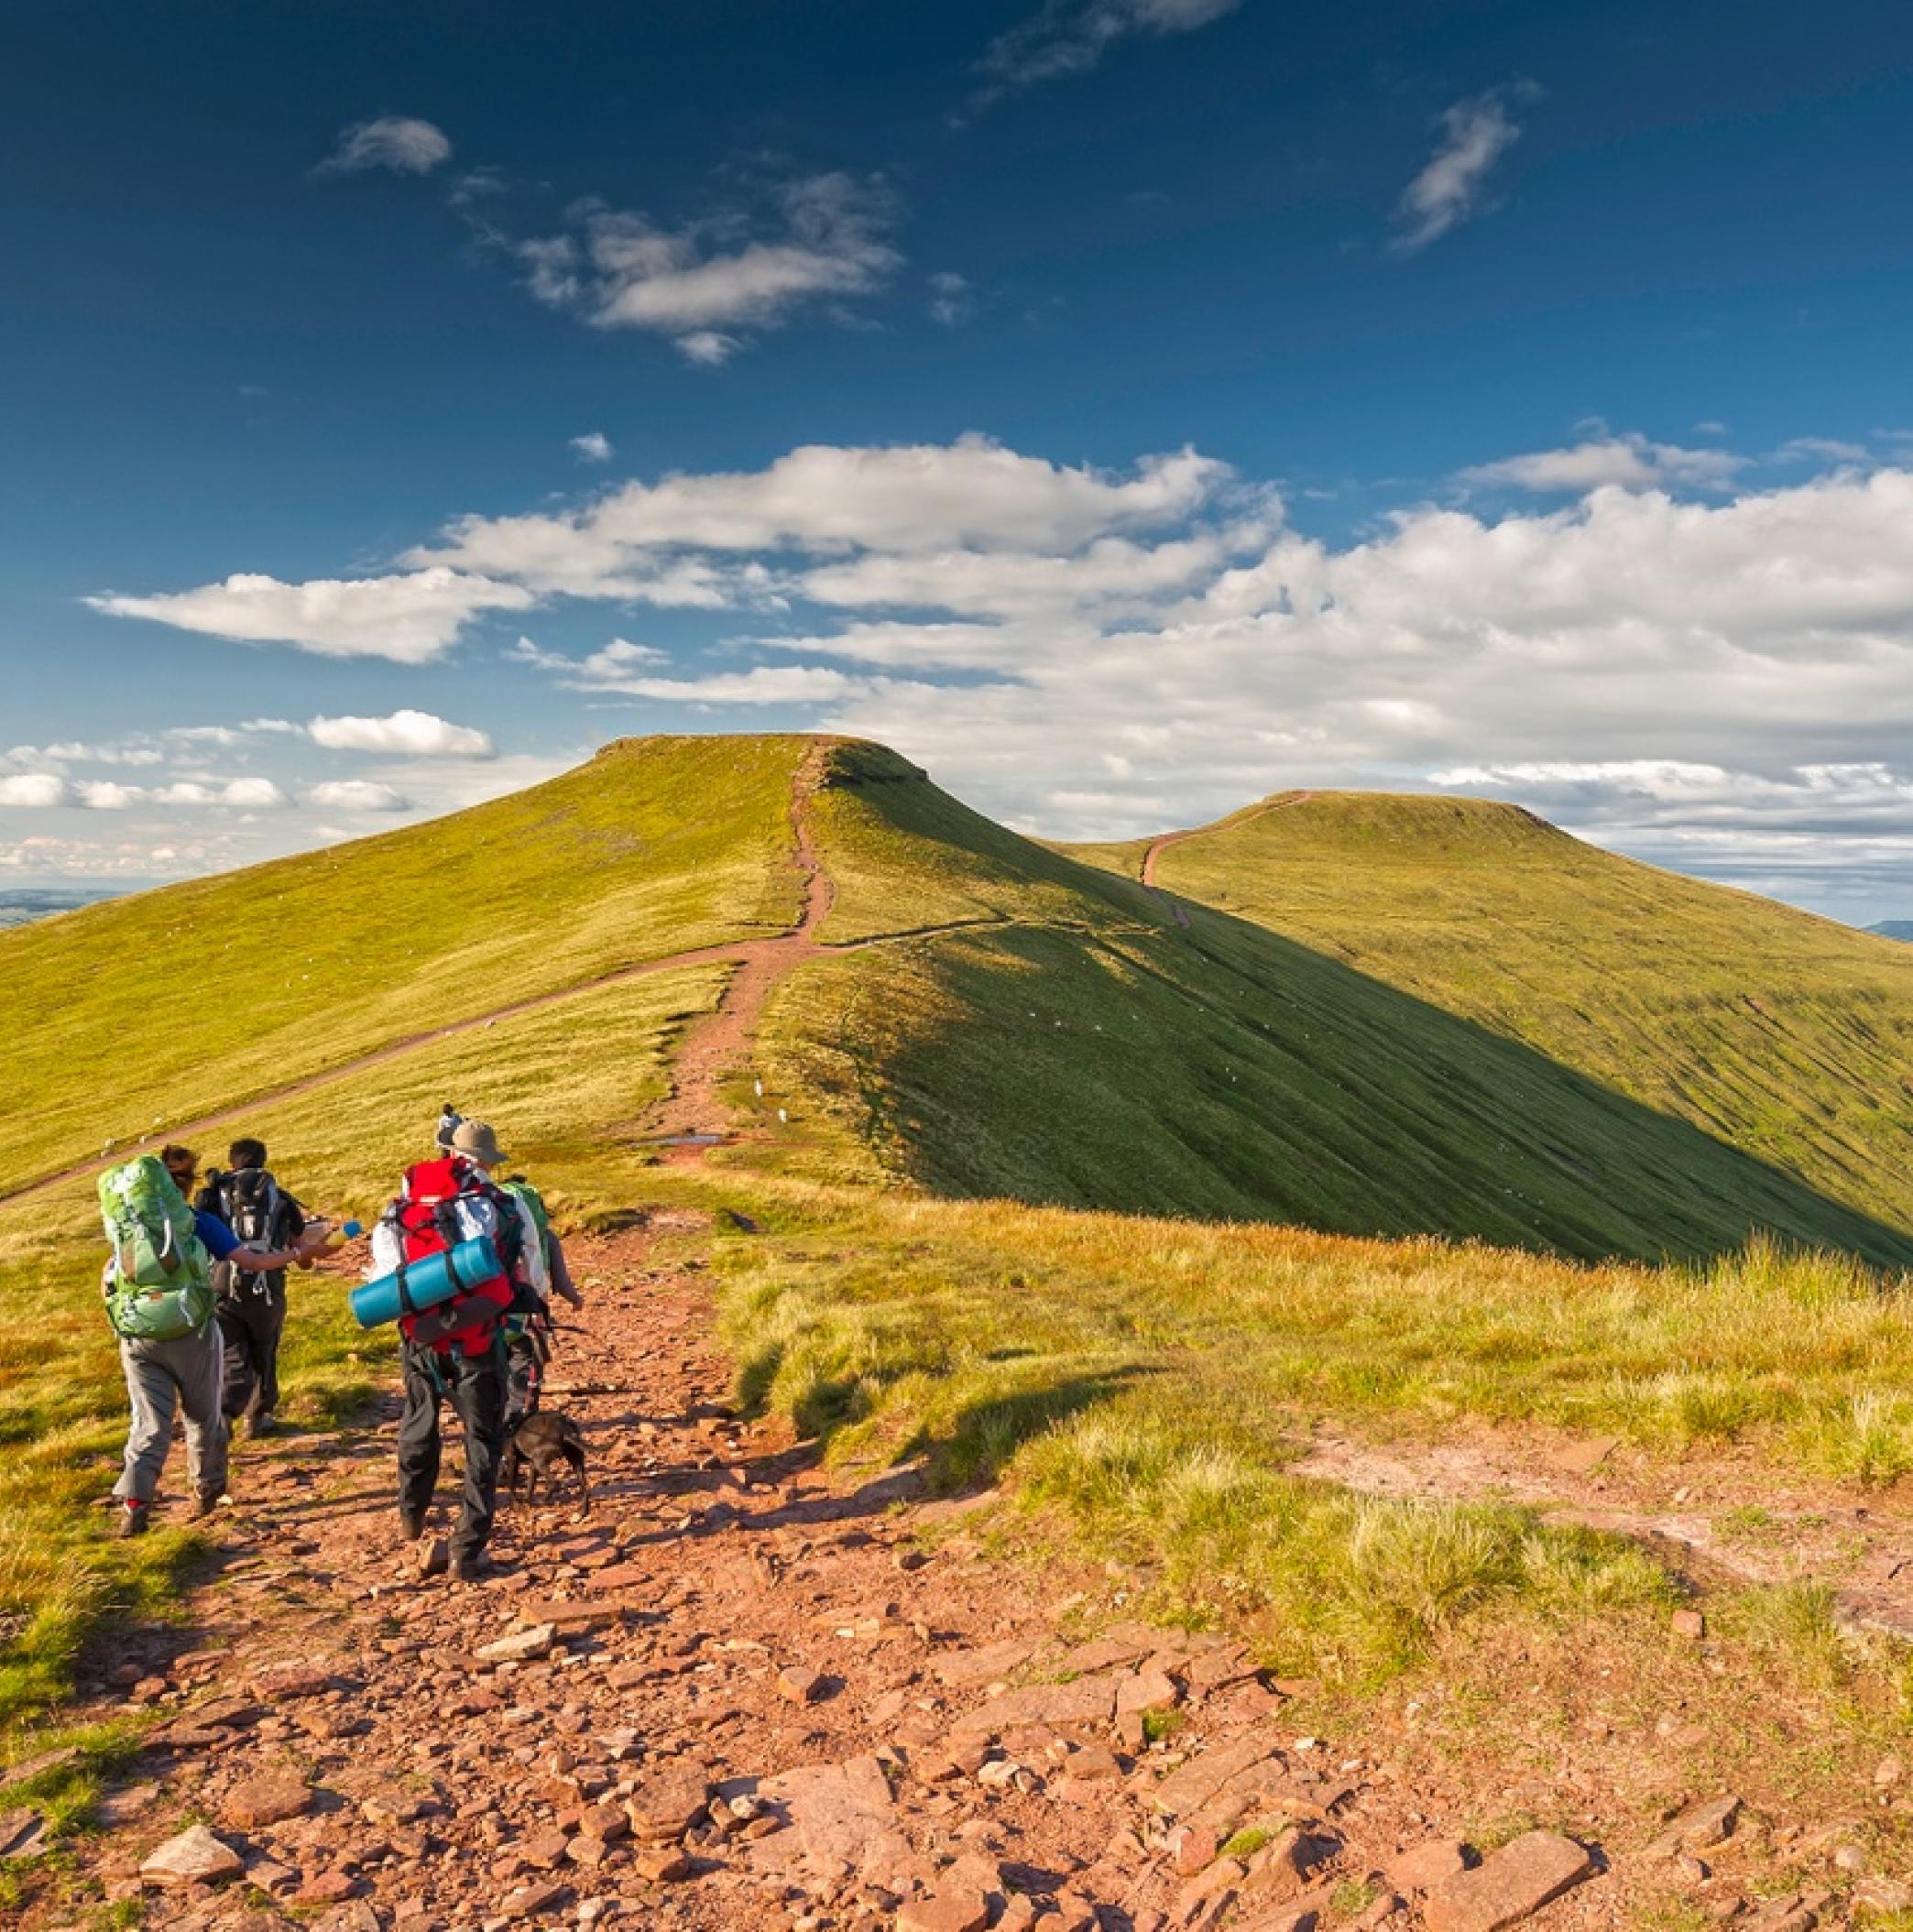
<point x="426" y="1283"/>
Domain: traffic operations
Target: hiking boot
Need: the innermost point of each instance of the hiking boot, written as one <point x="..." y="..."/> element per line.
<point x="411" y="1527"/>
<point x="263" y="1424"/>
<point x="471" y="1567"/>
<point x="130" y="1518"/>
<point x="205" y="1502"/>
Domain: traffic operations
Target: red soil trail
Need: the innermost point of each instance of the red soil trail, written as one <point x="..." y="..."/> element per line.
<point x="706" y="1054"/>
<point x="1159" y="846"/>
<point x="1804" y="1531"/>
<point x="721" y="1041"/>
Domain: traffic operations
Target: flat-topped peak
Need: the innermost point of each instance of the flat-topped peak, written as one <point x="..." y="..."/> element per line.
<point x="841" y="761"/>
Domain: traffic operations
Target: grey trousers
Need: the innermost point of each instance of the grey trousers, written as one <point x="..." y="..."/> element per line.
<point x="163" y="1377"/>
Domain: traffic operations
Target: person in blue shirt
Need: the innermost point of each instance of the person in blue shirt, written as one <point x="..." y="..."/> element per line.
<point x="187" y="1375"/>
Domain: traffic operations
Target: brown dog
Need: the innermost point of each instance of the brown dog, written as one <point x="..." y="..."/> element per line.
<point x="541" y="1442"/>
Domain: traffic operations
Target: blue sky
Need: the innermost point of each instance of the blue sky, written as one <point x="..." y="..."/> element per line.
<point x="1125" y="407"/>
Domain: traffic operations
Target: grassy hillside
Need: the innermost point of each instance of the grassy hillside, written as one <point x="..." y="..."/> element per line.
<point x="1785" y="1036"/>
<point x="564" y="1083"/>
<point x="991" y="1018"/>
<point x="1062" y="1041"/>
<point x="159" y="1007"/>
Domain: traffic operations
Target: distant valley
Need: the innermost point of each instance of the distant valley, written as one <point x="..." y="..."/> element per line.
<point x="21" y="905"/>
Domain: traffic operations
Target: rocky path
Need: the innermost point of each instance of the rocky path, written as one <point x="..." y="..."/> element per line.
<point x="737" y="1693"/>
<point x="742" y="1692"/>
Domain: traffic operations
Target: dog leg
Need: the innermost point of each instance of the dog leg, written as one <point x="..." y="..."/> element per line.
<point x="574" y="1454"/>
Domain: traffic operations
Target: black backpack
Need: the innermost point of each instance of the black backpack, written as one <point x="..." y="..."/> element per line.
<point x="252" y="1206"/>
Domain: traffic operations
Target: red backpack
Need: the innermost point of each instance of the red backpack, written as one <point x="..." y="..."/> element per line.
<point x="442" y="1199"/>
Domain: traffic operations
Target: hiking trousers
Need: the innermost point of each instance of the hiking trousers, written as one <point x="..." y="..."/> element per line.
<point x="164" y="1378"/>
<point x="252" y="1318"/>
<point x="474" y="1386"/>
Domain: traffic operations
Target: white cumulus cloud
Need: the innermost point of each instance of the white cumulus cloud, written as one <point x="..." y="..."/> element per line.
<point x="36" y="789"/>
<point x="357" y="794"/>
<point x="410" y="733"/>
<point x="823" y="498"/>
<point x="593" y="446"/>
<point x="1630" y="462"/>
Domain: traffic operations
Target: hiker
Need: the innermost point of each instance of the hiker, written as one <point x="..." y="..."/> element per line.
<point x="449" y="1120"/>
<point x="159" y="1291"/>
<point x="527" y="1329"/>
<point x="456" y="1352"/>
<point x="251" y="1301"/>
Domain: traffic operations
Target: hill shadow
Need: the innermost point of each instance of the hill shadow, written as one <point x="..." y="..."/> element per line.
<point x="1221" y="1071"/>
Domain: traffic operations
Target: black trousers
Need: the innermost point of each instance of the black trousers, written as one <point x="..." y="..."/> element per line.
<point x="252" y="1318"/>
<point x="474" y="1386"/>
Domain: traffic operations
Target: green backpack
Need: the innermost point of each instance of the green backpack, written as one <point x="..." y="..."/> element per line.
<point x="533" y="1199"/>
<point x="160" y="1286"/>
<point x="522" y="1309"/>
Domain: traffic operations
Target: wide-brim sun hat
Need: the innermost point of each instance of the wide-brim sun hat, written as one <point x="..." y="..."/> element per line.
<point x="477" y="1141"/>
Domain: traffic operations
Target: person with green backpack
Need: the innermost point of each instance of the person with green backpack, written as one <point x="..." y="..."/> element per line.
<point x="160" y="1298"/>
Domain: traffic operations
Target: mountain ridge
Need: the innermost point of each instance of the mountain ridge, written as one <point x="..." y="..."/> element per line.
<point x="975" y="1012"/>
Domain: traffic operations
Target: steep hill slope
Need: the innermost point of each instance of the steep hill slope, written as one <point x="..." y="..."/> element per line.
<point x="156" y="1009"/>
<point x="1060" y="1038"/>
<point x="1788" y="1036"/>
<point x="984" y="1015"/>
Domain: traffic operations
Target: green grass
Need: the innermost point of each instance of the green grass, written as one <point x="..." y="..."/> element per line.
<point x="173" y="1004"/>
<point x="1785" y="1035"/>
<point x="1243" y="1077"/>
<point x="1022" y="1221"/>
<point x="563" y="1085"/>
<point x="1151" y="1380"/>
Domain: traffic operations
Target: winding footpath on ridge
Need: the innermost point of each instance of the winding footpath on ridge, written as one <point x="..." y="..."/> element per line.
<point x="721" y="1041"/>
<point x="1157" y="846"/>
<point x="759" y="963"/>
<point x="744" y="1691"/>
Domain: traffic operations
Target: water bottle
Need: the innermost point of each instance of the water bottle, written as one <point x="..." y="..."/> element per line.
<point x="346" y="1231"/>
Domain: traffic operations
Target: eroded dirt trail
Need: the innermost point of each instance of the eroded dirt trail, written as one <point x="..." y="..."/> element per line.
<point x="1723" y="1515"/>
<point x="738" y="1692"/>
<point x="696" y="1110"/>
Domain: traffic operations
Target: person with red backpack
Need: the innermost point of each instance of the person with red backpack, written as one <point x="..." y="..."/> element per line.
<point x="454" y="1351"/>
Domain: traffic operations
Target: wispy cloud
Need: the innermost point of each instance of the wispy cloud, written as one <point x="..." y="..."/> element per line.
<point x="357" y="794"/>
<point x="400" y="144"/>
<point x="1821" y="449"/>
<point x="1069" y="37"/>
<point x="593" y="446"/>
<point x="409" y="619"/>
<point x="827" y="241"/>
<point x="952" y="299"/>
<point x="1451" y="188"/>
<point x="1629" y="462"/>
